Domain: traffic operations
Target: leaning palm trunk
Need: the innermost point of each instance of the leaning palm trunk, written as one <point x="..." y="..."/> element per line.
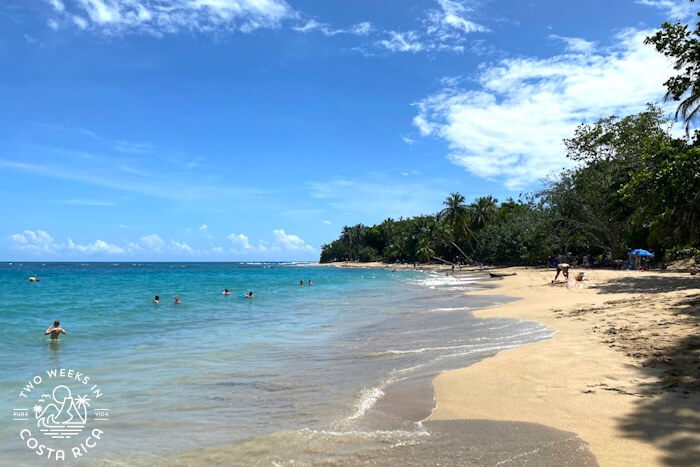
<point x="443" y="261"/>
<point x="466" y="257"/>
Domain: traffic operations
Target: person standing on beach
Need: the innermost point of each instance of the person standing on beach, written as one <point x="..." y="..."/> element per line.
<point x="55" y="330"/>
<point x="562" y="268"/>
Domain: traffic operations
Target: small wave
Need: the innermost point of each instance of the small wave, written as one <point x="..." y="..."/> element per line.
<point x="389" y="434"/>
<point x="368" y="398"/>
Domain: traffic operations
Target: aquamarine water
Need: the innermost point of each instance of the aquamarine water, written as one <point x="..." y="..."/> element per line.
<point x="215" y="369"/>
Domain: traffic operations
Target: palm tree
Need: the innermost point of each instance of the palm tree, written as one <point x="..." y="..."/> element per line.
<point x="456" y="215"/>
<point x="682" y="44"/>
<point x="346" y="238"/>
<point x="483" y="211"/>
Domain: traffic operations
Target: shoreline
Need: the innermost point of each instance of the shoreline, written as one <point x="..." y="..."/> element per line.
<point x="620" y="372"/>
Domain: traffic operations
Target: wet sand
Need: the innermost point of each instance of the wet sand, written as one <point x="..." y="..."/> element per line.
<point x="622" y="371"/>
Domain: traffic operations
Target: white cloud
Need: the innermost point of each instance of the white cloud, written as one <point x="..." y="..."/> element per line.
<point x="512" y="126"/>
<point x="79" y="21"/>
<point x="452" y="16"/>
<point x="240" y="241"/>
<point x="575" y="44"/>
<point x="676" y="9"/>
<point x="169" y="16"/>
<point x="359" y="29"/>
<point x="327" y="222"/>
<point x="41" y="242"/>
<point x="203" y="227"/>
<point x="38" y="241"/>
<point x="52" y="24"/>
<point x="56" y="4"/>
<point x="290" y="242"/>
<point x="408" y="140"/>
<point x="99" y="246"/>
<point x="442" y="29"/>
<point x="153" y="242"/>
<point x="180" y="247"/>
<point x="402" y="42"/>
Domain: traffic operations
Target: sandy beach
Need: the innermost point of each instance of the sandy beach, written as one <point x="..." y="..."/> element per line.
<point x="621" y="371"/>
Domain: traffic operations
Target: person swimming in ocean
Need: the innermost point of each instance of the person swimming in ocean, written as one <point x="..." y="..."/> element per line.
<point x="156" y="300"/>
<point x="55" y="330"/>
<point x="310" y="283"/>
<point x="226" y="292"/>
<point x="301" y="283"/>
<point x="248" y="295"/>
<point x="177" y="300"/>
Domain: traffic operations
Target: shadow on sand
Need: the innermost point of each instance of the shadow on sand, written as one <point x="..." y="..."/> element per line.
<point x="668" y="413"/>
<point x="636" y="282"/>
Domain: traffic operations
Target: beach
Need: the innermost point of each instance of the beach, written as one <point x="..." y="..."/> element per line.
<point x="621" y="371"/>
<point x="367" y="366"/>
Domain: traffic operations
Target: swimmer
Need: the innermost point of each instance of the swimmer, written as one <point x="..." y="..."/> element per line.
<point x="156" y="300"/>
<point x="310" y="283"/>
<point x="248" y="295"/>
<point x="177" y="300"/>
<point x="55" y="330"/>
<point x="226" y="292"/>
<point x="301" y="283"/>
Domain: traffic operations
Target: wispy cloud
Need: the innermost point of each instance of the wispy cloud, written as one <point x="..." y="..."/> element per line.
<point x="575" y="44"/>
<point x="160" y="17"/>
<point x="512" y="127"/>
<point x="676" y="9"/>
<point x="133" y="148"/>
<point x="442" y="29"/>
<point x="359" y="29"/>
<point x="169" y="186"/>
<point x="87" y="202"/>
<point x="408" y="41"/>
<point x="375" y="197"/>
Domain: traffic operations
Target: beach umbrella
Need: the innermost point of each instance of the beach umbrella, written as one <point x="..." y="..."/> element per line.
<point x="641" y="252"/>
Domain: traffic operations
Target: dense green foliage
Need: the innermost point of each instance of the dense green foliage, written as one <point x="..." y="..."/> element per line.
<point x="635" y="187"/>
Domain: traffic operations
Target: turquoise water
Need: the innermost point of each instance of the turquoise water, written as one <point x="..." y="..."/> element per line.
<point x="218" y="369"/>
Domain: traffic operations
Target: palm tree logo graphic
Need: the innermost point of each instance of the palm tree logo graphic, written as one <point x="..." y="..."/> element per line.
<point x="64" y="416"/>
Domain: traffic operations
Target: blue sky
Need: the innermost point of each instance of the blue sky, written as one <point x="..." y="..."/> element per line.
<point x="255" y="129"/>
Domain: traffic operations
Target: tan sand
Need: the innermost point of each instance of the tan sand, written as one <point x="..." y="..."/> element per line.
<point x="621" y="372"/>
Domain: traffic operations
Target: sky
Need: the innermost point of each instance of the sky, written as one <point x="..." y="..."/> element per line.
<point x="247" y="130"/>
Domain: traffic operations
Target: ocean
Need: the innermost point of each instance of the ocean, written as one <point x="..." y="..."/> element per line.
<point x="337" y="372"/>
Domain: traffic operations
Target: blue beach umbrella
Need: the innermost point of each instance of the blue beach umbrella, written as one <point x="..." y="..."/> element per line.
<point x="642" y="252"/>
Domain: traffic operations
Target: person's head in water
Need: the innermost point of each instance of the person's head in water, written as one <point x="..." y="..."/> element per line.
<point x="250" y="294"/>
<point x="56" y="323"/>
